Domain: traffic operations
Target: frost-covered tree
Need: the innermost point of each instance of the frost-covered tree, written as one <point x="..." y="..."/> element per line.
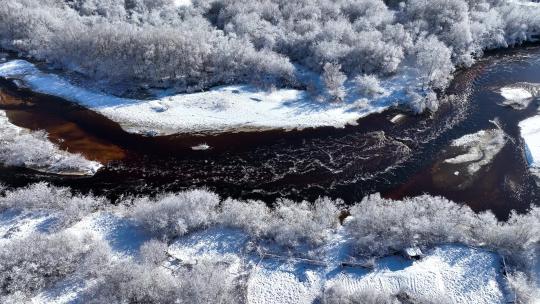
<point x="153" y="252"/>
<point x="60" y="202"/>
<point x="334" y="81"/>
<point x="252" y="216"/>
<point x="156" y="43"/>
<point x="381" y="226"/>
<point x="368" y="85"/>
<point x="29" y="265"/>
<point x="433" y="60"/>
<point x="172" y="215"/>
<point x="295" y="223"/>
<point x="129" y="282"/>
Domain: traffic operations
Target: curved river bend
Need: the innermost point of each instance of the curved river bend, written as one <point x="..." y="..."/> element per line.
<point x="398" y="160"/>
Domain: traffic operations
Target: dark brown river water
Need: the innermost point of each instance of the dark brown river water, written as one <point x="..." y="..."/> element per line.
<point x="397" y="160"/>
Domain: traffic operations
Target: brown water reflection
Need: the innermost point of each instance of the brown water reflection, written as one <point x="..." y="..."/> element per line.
<point x="67" y="134"/>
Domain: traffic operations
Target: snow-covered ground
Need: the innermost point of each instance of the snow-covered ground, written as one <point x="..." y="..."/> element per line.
<point x="452" y="272"/>
<point x="530" y="132"/>
<point x="21" y="147"/>
<point x="458" y="273"/>
<point x="228" y="108"/>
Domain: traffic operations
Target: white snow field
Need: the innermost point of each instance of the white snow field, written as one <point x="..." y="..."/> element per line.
<point x="459" y="273"/>
<point x="221" y="109"/>
<point x="24" y="148"/>
<point x="481" y="148"/>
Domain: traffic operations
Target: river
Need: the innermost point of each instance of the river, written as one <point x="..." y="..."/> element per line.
<point x="397" y="160"/>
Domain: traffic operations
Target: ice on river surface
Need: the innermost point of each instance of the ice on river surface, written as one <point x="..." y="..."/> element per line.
<point x="480" y="149"/>
<point x="530" y="132"/>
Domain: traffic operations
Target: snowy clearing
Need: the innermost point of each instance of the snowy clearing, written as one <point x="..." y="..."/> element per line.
<point x="222" y="109"/>
<point x="481" y="148"/>
<point x="463" y="274"/>
<point x="24" y="148"/>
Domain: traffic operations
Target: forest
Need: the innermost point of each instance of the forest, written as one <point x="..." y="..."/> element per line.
<point x="270" y="43"/>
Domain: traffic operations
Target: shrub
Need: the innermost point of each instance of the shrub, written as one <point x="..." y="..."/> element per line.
<point x="294" y="223"/>
<point x="153" y="252"/>
<point x="172" y="215"/>
<point x="251" y="216"/>
<point x="368" y="85"/>
<point x="129" y="282"/>
<point x="379" y="226"/>
<point x="31" y="264"/>
<point x="68" y="208"/>
<point x="334" y="81"/>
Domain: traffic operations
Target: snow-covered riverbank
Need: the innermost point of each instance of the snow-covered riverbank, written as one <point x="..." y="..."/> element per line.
<point x="238" y="242"/>
<point x="222" y="109"/>
<point x="530" y="132"/>
<point x="458" y="273"/>
<point x="24" y="148"/>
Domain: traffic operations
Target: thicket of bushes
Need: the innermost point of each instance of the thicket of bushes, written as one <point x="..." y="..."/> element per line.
<point x="214" y="42"/>
<point x="376" y="227"/>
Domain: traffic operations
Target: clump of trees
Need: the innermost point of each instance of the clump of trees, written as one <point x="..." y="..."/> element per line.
<point x="131" y="282"/>
<point x="375" y="227"/>
<point x="173" y="215"/>
<point x="39" y="261"/>
<point x="216" y="42"/>
<point x="368" y="85"/>
<point x="67" y="207"/>
<point x="381" y="226"/>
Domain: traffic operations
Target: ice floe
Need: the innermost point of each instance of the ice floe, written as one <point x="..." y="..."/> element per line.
<point x="519" y="95"/>
<point x="480" y="149"/>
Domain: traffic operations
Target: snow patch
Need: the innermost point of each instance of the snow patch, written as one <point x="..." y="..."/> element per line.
<point x="179" y="3"/>
<point x="455" y="273"/>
